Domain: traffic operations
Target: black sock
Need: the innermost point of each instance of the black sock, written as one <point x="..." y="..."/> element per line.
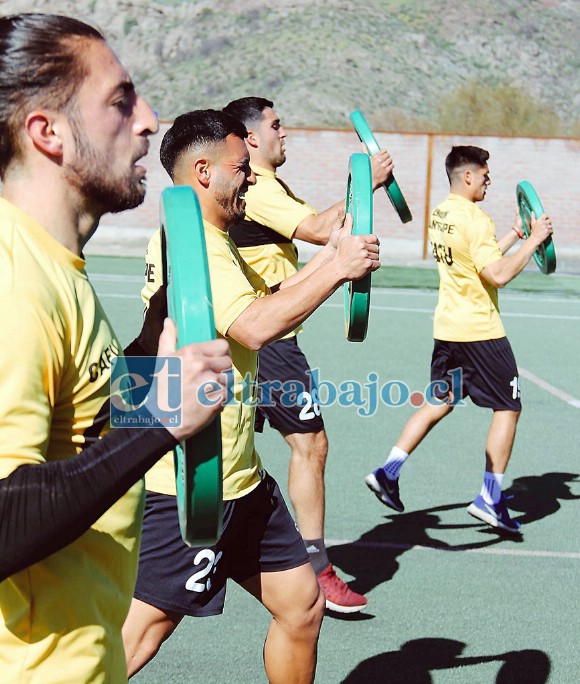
<point x="317" y="554"/>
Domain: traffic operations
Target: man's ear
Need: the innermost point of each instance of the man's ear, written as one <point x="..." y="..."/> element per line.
<point x="252" y="140"/>
<point x="43" y="130"/>
<point x="202" y="171"/>
<point x="467" y="176"/>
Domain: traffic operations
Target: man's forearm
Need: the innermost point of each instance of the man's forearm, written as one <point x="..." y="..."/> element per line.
<point x="45" y="507"/>
<point x="317" y="228"/>
<point x="507" y="268"/>
<point x="507" y="241"/>
<point x="320" y="258"/>
<point x="270" y="318"/>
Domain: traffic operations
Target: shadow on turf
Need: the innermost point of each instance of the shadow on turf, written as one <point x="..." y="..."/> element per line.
<point x="373" y="558"/>
<point x="416" y="659"/>
<point x="538" y="496"/>
<point x="534" y="496"/>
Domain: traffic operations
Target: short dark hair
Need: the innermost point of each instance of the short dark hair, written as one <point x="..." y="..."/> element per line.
<point x="248" y="110"/>
<point x="40" y="65"/>
<point x="465" y="155"/>
<point x="197" y="129"/>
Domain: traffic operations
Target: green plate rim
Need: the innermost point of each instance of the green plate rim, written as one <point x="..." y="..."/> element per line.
<point x="394" y="192"/>
<point x="545" y="255"/>
<point x="198" y="463"/>
<point x="359" y="203"/>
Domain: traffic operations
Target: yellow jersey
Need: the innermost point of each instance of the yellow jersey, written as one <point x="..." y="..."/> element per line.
<point x="264" y="238"/>
<point x="463" y="242"/>
<point x="234" y="287"/>
<point x="61" y="618"/>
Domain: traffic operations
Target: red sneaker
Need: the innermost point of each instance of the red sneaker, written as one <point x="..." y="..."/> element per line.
<point x="338" y="595"/>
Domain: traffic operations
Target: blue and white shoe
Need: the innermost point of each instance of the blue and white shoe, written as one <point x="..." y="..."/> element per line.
<point x="385" y="489"/>
<point x="495" y="515"/>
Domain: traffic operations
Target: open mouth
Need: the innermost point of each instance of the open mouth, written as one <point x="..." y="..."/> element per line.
<point x="143" y="153"/>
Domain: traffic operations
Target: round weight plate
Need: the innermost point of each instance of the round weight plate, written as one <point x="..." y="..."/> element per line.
<point x="528" y="202"/>
<point x="198" y="463"/>
<point x="359" y="204"/>
<point x="392" y="188"/>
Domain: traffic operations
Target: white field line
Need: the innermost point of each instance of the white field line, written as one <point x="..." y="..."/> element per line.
<point x="112" y="277"/>
<point x="116" y="295"/>
<point x="402" y="309"/>
<point x="375" y="307"/>
<point x="115" y="278"/>
<point x="560" y="394"/>
<point x="489" y="551"/>
<point x="532" y="297"/>
<point x="546" y="386"/>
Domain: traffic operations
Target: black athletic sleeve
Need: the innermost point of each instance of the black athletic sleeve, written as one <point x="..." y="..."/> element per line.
<point x="44" y="507"/>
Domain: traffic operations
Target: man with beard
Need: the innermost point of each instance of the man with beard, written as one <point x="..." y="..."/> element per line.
<point x="72" y="128"/>
<point x="274" y="218"/>
<point x="260" y="548"/>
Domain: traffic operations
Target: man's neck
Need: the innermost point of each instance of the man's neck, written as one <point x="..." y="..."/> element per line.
<point x="462" y="191"/>
<point x="256" y="159"/>
<point x="212" y="214"/>
<point x="54" y="205"/>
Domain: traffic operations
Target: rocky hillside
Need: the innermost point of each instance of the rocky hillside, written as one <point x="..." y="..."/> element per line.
<point x="397" y="60"/>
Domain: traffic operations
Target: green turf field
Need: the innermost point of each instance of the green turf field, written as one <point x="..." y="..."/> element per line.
<point x="450" y="601"/>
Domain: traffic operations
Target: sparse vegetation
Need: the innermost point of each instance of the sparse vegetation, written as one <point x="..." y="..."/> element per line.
<point x="497" y="110"/>
<point x="409" y="65"/>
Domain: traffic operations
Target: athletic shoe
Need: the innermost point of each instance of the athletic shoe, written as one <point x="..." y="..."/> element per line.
<point x="339" y="596"/>
<point x="495" y="515"/>
<point x="385" y="489"/>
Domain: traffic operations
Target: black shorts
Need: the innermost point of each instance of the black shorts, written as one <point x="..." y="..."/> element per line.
<point x="287" y="398"/>
<point x="489" y="373"/>
<point x="259" y="536"/>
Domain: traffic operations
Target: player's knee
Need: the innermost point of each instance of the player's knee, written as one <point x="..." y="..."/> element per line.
<point x="306" y="624"/>
<point x="302" y="620"/>
<point x="319" y="608"/>
<point x="320" y="445"/>
<point x="312" y="446"/>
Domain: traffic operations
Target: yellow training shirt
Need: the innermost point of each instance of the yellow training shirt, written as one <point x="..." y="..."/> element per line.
<point x="464" y="243"/>
<point x="61" y="618"/>
<point x="234" y="287"/>
<point x="264" y="238"/>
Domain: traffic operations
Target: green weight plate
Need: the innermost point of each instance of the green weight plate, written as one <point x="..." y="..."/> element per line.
<point x="392" y="188"/>
<point x="528" y="202"/>
<point x="198" y="463"/>
<point x="359" y="203"/>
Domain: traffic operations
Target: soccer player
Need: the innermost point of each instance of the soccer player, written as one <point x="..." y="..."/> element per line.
<point x="260" y="548"/>
<point x="265" y="239"/>
<point x="469" y="333"/>
<point x="72" y="129"/>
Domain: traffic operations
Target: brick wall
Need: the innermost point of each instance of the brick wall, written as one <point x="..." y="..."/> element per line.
<point x="316" y="170"/>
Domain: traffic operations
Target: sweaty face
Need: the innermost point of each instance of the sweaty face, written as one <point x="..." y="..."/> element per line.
<point x="272" y="138"/>
<point x="109" y="125"/>
<point x="231" y="178"/>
